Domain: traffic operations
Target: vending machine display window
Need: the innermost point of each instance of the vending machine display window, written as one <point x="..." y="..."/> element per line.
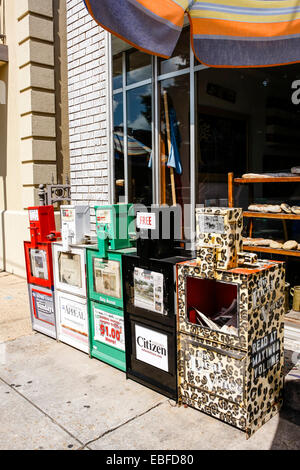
<point x="213" y="304"/>
<point x="107" y="277"/>
<point x="148" y="290"/>
<point x="38" y="263"/>
<point x="70" y="269"/>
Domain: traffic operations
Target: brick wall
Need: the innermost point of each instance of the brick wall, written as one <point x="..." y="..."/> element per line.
<point x="87" y="86"/>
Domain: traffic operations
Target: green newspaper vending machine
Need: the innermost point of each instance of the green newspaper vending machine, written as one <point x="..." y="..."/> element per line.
<point x="104" y="283"/>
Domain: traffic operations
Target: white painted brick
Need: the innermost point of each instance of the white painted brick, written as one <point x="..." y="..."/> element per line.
<point x="87" y="74"/>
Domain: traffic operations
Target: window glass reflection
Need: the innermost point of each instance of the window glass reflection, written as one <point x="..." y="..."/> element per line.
<point x="175" y="145"/>
<point x="117" y="72"/>
<point x="138" y="67"/>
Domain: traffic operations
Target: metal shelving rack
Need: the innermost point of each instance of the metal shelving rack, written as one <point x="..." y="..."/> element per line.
<point x="266" y="215"/>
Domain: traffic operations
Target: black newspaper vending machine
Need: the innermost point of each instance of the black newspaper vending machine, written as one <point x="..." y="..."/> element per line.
<point x="149" y="286"/>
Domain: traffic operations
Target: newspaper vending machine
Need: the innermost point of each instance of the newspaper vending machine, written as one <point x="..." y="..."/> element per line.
<point x="230" y="326"/>
<point x="149" y="280"/>
<point x="38" y="260"/>
<point x="104" y="281"/>
<point x="69" y="259"/>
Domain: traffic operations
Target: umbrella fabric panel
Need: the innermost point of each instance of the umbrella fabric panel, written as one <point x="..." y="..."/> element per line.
<point x="152" y="26"/>
<point x="225" y="33"/>
<point x="246" y="32"/>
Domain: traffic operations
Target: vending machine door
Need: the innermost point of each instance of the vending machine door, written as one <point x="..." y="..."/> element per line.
<point x="151" y="354"/>
<point x="72" y="320"/>
<point x="39" y="264"/>
<point x="107" y="335"/>
<point x="42" y="308"/>
<point x="69" y="269"/>
<point x="213" y="379"/>
<point x="105" y="277"/>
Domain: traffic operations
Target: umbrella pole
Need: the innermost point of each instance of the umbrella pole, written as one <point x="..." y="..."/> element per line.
<point x="169" y="146"/>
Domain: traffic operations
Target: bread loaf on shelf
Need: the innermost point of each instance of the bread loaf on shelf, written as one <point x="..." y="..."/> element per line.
<point x="276" y="245"/>
<point x="286" y="208"/>
<point x="290" y="245"/>
<point x="274" y="208"/>
<point x="296" y="210"/>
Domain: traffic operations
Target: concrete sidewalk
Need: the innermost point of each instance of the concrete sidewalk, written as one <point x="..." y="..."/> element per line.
<point x="55" y="397"/>
<point x="14" y="307"/>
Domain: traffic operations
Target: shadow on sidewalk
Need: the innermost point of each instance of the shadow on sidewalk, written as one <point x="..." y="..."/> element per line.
<point x="290" y="412"/>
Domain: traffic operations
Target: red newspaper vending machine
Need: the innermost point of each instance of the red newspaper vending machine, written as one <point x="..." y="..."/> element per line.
<point x="39" y="268"/>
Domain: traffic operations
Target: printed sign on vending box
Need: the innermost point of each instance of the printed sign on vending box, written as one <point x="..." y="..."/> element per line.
<point x="103" y="216"/>
<point x="34" y="215"/>
<point x="151" y="347"/>
<point x="109" y="329"/>
<point x="43" y="307"/>
<point x="265" y="353"/>
<point x="146" y="220"/>
<point x="73" y="315"/>
<point x="211" y="224"/>
<point x="68" y="228"/>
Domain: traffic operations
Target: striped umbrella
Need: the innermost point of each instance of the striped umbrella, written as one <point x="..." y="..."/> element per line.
<point x="135" y="147"/>
<point x="225" y="33"/>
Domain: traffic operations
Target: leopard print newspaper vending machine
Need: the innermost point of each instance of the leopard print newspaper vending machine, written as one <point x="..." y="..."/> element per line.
<point x="230" y="326"/>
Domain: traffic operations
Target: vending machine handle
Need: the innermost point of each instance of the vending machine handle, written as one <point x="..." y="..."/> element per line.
<point x="54" y="236"/>
<point x="34" y="236"/>
<point x="103" y="240"/>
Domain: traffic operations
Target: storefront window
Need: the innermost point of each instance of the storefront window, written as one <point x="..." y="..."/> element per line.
<point x="181" y="142"/>
<point x="222" y="133"/>
<point x="119" y="147"/>
<point x="175" y="142"/>
<point x="139" y="142"/>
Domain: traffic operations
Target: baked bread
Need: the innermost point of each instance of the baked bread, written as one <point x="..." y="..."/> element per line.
<point x="273" y="208"/>
<point x="286" y="208"/>
<point x="296" y="210"/>
<point x="255" y="241"/>
<point x="290" y="245"/>
<point x="276" y="245"/>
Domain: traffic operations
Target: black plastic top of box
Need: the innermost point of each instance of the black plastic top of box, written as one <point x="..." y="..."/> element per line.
<point x="157" y="229"/>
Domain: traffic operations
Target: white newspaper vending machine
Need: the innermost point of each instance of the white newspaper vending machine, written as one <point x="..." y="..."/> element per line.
<point x="69" y="260"/>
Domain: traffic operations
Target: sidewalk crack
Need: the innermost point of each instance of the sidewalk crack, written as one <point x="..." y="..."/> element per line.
<point x="122" y="424"/>
<point x="43" y="412"/>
